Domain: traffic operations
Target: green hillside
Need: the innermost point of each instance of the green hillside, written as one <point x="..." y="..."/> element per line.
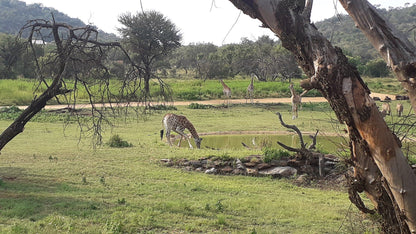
<point x="14" y="14"/>
<point x="342" y="32"/>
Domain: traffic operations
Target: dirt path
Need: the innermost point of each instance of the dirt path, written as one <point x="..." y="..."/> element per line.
<point x="215" y="102"/>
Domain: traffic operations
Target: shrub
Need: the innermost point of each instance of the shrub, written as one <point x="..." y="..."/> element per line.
<point x="199" y="106"/>
<point x="117" y="142"/>
<point x="274" y="154"/>
<point x="162" y="107"/>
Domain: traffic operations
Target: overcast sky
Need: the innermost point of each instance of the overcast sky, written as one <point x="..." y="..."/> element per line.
<point x="198" y="20"/>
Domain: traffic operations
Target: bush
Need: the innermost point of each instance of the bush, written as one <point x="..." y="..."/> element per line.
<point x="162" y="107"/>
<point x="117" y="142"/>
<point x="10" y="112"/>
<point x="199" y="106"/>
<point x="274" y="154"/>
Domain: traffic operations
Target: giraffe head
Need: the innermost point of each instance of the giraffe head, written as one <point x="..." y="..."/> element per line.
<point x="198" y="142"/>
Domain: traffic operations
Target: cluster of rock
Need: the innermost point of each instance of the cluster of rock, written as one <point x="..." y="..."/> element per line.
<point x="254" y="165"/>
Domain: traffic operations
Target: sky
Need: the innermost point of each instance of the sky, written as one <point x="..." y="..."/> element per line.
<point x="199" y="21"/>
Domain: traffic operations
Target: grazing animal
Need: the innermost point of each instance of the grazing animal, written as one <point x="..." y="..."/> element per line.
<point x="226" y="90"/>
<point x="250" y="89"/>
<point x="178" y="124"/>
<point x="296" y="100"/>
<point x="399" y="109"/>
<point x="385" y="109"/>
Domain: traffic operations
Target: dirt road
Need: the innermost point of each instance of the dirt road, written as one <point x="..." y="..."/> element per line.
<point x="215" y="102"/>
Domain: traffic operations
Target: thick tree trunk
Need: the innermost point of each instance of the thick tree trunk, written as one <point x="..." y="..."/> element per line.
<point x="373" y="145"/>
<point x="392" y="45"/>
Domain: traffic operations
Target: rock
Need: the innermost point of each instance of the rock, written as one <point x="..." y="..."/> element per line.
<point x="211" y="171"/>
<point x="195" y="163"/>
<point x="263" y="166"/>
<point x="239" y="165"/>
<point x="279" y="172"/>
<point x="252" y="172"/>
<point x="167" y="162"/>
<point x="238" y="172"/>
<point x="302" y="179"/>
<point x="250" y="164"/>
<point x="227" y="170"/>
<point x="278" y="163"/>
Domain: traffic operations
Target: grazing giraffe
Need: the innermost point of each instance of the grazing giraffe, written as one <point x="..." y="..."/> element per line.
<point x="178" y="124"/>
<point x="296" y="100"/>
<point x="399" y="109"/>
<point x="250" y="89"/>
<point x="226" y="90"/>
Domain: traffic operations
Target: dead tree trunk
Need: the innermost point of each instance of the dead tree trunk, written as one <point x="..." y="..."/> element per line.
<point x="381" y="170"/>
<point x="304" y="153"/>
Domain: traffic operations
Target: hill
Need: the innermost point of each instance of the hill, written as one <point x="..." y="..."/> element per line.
<point x="341" y="31"/>
<point x="14" y="14"/>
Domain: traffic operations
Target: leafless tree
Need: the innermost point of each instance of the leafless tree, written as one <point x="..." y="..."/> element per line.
<point x="78" y="62"/>
<point x="381" y="169"/>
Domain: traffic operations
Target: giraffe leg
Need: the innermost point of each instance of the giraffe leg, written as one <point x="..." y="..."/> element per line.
<point x="180" y="141"/>
<point x="168" y="137"/>
<point x="184" y="136"/>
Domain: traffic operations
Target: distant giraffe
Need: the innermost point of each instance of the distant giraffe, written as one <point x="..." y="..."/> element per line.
<point x="399" y="109"/>
<point x="226" y="90"/>
<point x="178" y="124"/>
<point x="250" y="89"/>
<point x="385" y="109"/>
<point x="296" y="100"/>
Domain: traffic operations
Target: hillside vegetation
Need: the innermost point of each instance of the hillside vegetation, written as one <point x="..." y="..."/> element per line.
<point x="341" y="31"/>
<point x="14" y="14"/>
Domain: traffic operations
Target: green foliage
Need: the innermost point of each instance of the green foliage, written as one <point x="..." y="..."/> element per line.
<point x="199" y="106"/>
<point x="341" y="31"/>
<point x="162" y="107"/>
<point x="149" y="37"/>
<point x="117" y="142"/>
<point x="376" y="68"/>
<point x="274" y="154"/>
<point x="15" y="14"/>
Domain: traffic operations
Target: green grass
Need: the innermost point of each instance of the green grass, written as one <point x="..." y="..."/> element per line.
<point x="52" y="182"/>
<point x="21" y="91"/>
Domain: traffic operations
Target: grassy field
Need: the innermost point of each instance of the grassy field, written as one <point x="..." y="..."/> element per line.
<point x="53" y="183"/>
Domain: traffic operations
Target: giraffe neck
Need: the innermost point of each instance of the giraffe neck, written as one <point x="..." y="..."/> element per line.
<point x="224" y="85"/>
<point x="292" y="91"/>
<point x="192" y="130"/>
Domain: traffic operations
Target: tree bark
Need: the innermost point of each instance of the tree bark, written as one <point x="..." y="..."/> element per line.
<point x="392" y="45"/>
<point x="380" y="167"/>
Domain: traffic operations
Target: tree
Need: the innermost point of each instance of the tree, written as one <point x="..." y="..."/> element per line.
<point x="11" y="50"/>
<point x="376" y="68"/>
<point x="78" y="61"/>
<point x="149" y="36"/>
<point x="380" y="168"/>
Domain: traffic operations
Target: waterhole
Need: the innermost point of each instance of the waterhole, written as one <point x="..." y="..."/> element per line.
<point x="329" y="144"/>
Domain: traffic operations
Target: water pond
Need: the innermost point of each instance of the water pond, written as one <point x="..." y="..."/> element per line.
<point x="329" y="144"/>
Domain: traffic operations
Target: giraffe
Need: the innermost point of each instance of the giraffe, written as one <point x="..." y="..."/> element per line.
<point x="250" y="89"/>
<point x="178" y="124"/>
<point x="399" y="109"/>
<point x="386" y="108"/>
<point x="296" y="100"/>
<point x="226" y="90"/>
